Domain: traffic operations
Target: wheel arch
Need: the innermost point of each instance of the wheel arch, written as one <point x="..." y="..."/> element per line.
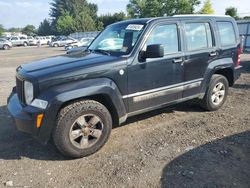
<point x="102" y="90"/>
<point x="228" y="73"/>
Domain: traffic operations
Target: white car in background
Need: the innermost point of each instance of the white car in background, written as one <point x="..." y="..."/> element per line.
<point x="5" y="44"/>
<point x="41" y="40"/>
<point x="31" y="41"/>
<point x="62" y="41"/>
<point x="19" y="41"/>
<point x="83" y="42"/>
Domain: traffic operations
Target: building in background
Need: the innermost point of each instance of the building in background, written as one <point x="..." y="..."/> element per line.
<point x="80" y="35"/>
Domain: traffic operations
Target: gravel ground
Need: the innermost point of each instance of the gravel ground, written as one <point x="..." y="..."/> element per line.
<point x="179" y="146"/>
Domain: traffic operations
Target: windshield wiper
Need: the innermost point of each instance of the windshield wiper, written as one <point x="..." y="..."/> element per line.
<point x="101" y="51"/>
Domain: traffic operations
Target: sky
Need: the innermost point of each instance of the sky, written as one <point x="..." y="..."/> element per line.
<point x="19" y="13"/>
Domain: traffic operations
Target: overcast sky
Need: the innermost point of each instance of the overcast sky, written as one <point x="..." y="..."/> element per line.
<point x="18" y="13"/>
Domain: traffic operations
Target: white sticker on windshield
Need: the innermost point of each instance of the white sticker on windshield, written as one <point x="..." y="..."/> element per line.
<point x="135" y="27"/>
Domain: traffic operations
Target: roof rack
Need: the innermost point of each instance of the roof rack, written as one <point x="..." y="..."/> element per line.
<point x="200" y="15"/>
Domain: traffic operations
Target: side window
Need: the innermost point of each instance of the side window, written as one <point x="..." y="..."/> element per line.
<point x="166" y="35"/>
<point x="198" y="36"/>
<point x="226" y="32"/>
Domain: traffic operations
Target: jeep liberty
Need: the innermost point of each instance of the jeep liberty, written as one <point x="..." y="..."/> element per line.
<point x="132" y="67"/>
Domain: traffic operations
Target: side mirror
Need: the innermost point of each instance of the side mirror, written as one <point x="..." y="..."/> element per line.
<point x="153" y="51"/>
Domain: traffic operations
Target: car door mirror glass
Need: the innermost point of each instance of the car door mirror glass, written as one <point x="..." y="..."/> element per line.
<point x="153" y="51"/>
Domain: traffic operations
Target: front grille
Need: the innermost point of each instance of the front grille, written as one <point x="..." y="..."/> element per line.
<point x="20" y="89"/>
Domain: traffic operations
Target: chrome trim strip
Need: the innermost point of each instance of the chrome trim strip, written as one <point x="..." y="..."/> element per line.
<point x="185" y="85"/>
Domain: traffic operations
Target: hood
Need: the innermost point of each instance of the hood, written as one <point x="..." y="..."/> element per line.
<point x="72" y="64"/>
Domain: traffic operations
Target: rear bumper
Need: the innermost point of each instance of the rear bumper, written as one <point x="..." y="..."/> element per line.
<point x="237" y="72"/>
<point x="23" y="116"/>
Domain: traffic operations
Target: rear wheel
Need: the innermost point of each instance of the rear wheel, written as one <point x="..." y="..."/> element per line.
<point x="25" y="44"/>
<point x="56" y="45"/>
<point x="216" y="93"/>
<point x="82" y="128"/>
<point x="6" y="47"/>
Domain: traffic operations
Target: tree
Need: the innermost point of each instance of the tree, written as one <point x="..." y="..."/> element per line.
<point x="14" y="30"/>
<point x="108" y="19"/>
<point x="232" y="11"/>
<point x="155" y="8"/>
<point x="74" y="15"/>
<point x="44" y="28"/>
<point x="65" y="24"/>
<point x="207" y="8"/>
<point x="29" y="30"/>
<point x="1" y="30"/>
<point x="135" y="8"/>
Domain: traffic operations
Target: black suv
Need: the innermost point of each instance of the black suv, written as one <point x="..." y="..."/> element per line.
<point x="132" y="67"/>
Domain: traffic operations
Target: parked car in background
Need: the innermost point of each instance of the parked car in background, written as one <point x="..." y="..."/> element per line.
<point x="19" y="41"/>
<point x="5" y="44"/>
<point x="84" y="42"/>
<point x="49" y="39"/>
<point x="42" y="40"/>
<point x="31" y="41"/>
<point x="78" y="49"/>
<point x="62" y="41"/>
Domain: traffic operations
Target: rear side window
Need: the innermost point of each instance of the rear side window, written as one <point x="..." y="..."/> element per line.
<point x="227" y="34"/>
<point x="198" y="36"/>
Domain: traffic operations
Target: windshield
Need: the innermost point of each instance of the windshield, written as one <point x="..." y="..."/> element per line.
<point x="118" y="39"/>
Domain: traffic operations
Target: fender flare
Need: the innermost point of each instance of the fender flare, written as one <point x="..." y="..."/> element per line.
<point x="214" y="66"/>
<point x="59" y="95"/>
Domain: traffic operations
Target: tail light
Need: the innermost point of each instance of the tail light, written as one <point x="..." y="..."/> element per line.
<point x="239" y="51"/>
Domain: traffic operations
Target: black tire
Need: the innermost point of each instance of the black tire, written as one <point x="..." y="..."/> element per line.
<point x="25" y="44"/>
<point x="6" y="47"/>
<point x="207" y="101"/>
<point x="67" y="118"/>
<point x="56" y="45"/>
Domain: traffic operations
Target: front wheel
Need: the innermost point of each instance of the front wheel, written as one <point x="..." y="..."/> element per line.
<point x="216" y="93"/>
<point x="82" y="128"/>
<point x="6" y="47"/>
<point x="25" y="44"/>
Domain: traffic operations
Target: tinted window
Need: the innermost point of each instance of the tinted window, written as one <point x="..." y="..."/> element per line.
<point x="198" y="36"/>
<point x="166" y="35"/>
<point x="226" y="32"/>
<point x="14" y="38"/>
<point x="242" y="28"/>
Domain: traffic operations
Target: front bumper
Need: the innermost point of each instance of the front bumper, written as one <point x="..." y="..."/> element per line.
<point x="23" y="116"/>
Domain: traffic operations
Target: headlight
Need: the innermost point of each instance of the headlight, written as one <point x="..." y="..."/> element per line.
<point x="39" y="103"/>
<point x="28" y="92"/>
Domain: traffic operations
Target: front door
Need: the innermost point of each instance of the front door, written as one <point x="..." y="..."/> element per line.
<point x="155" y="82"/>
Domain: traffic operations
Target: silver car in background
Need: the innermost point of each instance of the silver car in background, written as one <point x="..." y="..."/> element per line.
<point x="62" y="41"/>
<point x="5" y="44"/>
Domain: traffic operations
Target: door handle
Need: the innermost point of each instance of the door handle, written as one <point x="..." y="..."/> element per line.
<point x="178" y="60"/>
<point x="212" y="54"/>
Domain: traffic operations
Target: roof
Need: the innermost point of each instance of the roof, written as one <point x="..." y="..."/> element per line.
<point x="193" y="16"/>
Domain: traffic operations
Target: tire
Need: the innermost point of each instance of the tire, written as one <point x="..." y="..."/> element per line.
<point x="216" y="93"/>
<point x="82" y="128"/>
<point x="25" y="44"/>
<point x="56" y="45"/>
<point x="6" y="47"/>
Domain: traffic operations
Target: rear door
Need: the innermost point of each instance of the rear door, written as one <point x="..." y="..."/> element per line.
<point x="200" y="50"/>
<point x="14" y="40"/>
<point x="155" y="82"/>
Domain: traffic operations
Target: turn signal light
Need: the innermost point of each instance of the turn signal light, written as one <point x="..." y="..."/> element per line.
<point x="39" y="120"/>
